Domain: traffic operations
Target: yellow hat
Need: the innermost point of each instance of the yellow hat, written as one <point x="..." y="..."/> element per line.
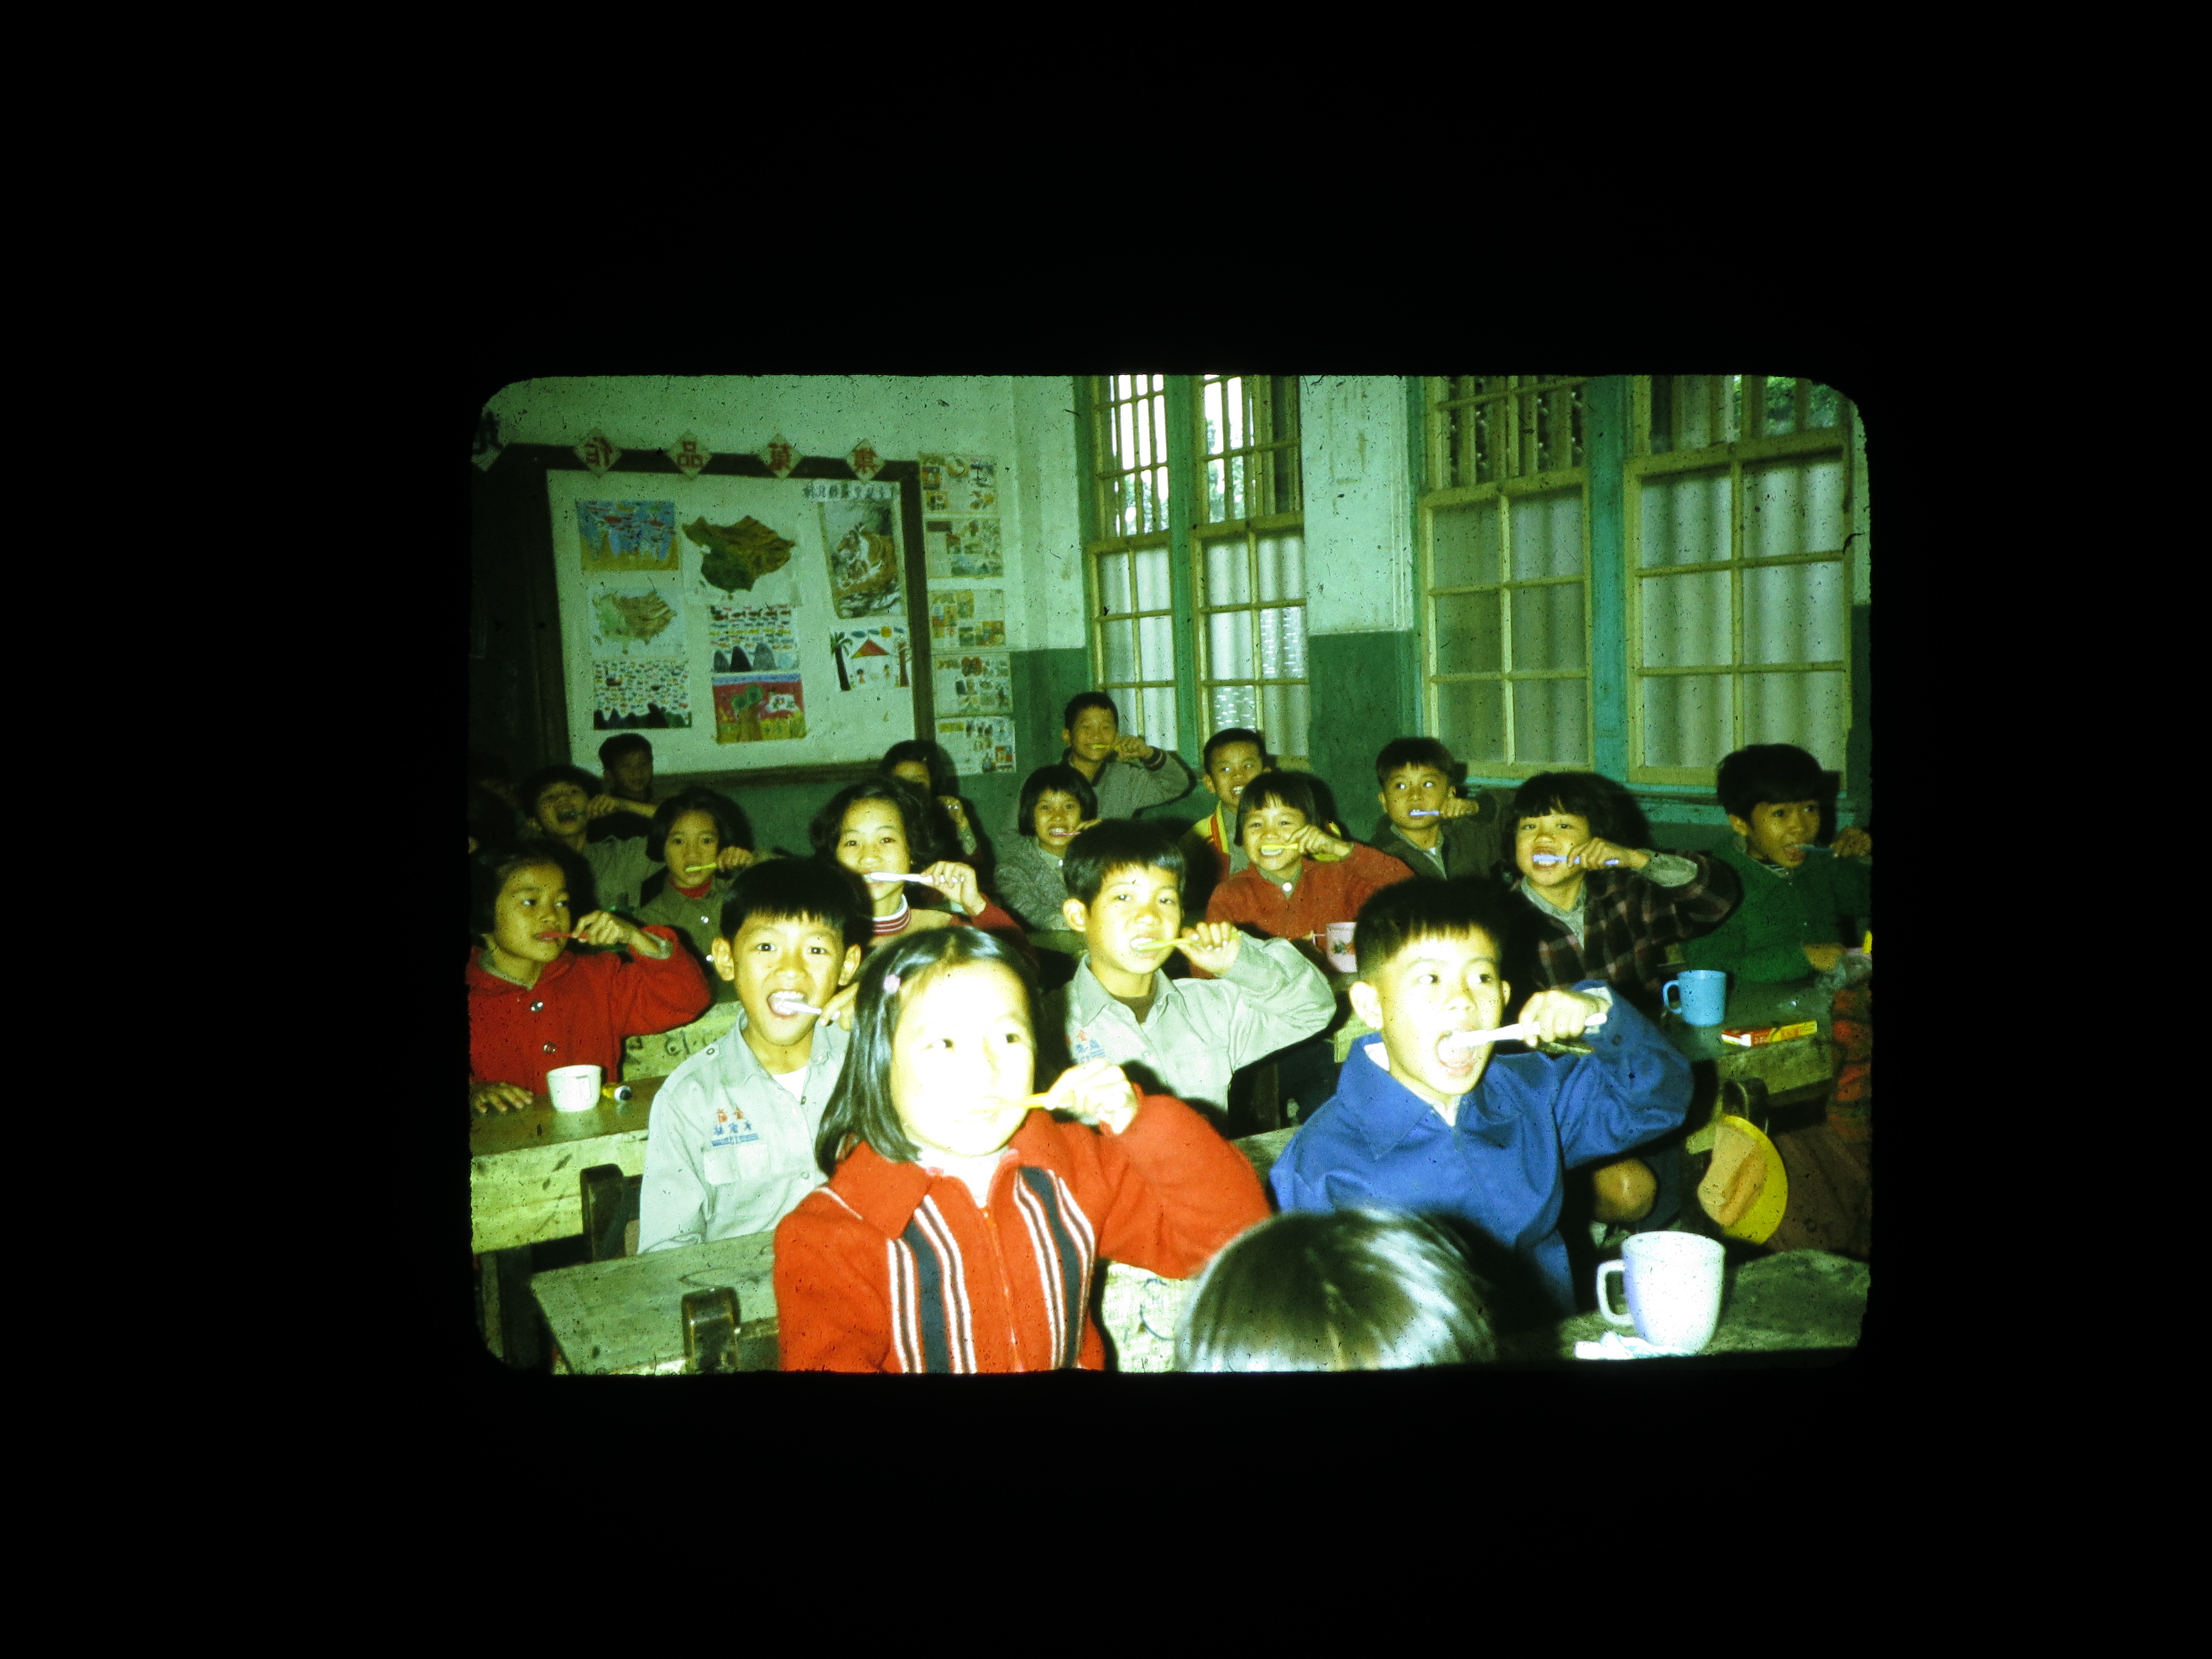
<point x="1746" y="1190"/>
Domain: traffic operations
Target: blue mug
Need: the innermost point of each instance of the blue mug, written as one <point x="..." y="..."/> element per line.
<point x="1704" y="999"/>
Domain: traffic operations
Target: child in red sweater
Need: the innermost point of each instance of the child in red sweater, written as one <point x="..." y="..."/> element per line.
<point x="535" y="1005"/>
<point x="962" y="1227"/>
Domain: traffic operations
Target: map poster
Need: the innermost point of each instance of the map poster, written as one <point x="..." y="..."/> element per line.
<point x="862" y="540"/>
<point x="643" y="693"/>
<point x="968" y="617"/>
<point x="974" y="683"/>
<point x="627" y="535"/>
<point x="751" y="639"/>
<point x="758" y="707"/>
<point x="978" y="744"/>
<point x="871" y="656"/>
<point x="632" y="619"/>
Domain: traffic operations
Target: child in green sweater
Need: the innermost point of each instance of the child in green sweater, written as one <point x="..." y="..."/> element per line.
<point x="1798" y="898"/>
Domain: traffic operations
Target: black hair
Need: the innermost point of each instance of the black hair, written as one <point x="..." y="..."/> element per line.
<point x="729" y="822"/>
<point x="491" y="820"/>
<point x="622" y="743"/>
<point x="943" y="779"/>
<point x="527" y="791"/>
<point x="1585" y="794"/>
<point x="490" y="866"/>
<point x="1119" y="844"/>
<point x="1066" y="779"/>
<point x="1396" y="915"/>
<point x="860" y="1107"/>
<point x="829" y="823"/>
<point x="1351" y="1289"/>
<point x="1776" y="772"/>
<point x="1083" y="700"/>
<point x="800" y="889"/>
<point x="1227" y="735"/>
<point x="483" y="764"/>
<point x="1401" y="752"/>
<point x="1291" y="789"/>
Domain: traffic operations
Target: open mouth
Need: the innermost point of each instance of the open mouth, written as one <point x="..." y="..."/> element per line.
<point x="785" y="1004"/>
<point x="547" y="939"/>
<point x="1456" y="1051"/>
<point x="1273" y="852"/>
<point x="564" y="815"/>
<point x="1546" y="859"/>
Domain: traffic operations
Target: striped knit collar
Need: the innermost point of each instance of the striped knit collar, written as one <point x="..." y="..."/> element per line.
<point x="896" y="922"/>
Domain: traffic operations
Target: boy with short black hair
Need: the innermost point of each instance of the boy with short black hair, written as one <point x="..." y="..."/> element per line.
<point x="626" y="764"/>
<point x="1426" y="1123"/>
<point x="1427" y="825"/>
<point x="1183" y="1038"/>
<point x="559" y="802"/>
<point x="1232" y="757"/>
<point x="1127" y="774"/>
<point x="1798" y="901"/>
<point x="731" y="1148"/>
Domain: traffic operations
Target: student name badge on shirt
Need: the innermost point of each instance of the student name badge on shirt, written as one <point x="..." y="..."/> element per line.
<point x="734" y="1129"/>
<point x="1083" y="1046"/>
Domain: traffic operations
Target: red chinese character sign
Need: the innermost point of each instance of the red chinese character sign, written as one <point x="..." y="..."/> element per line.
<point x="780" y="455"/>
<point x="689" y="455"/>
<point x="597" y="451"/>
<point x="865" y="461"/>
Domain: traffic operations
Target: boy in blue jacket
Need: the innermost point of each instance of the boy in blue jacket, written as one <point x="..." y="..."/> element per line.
<point x="1423" y="1123"/>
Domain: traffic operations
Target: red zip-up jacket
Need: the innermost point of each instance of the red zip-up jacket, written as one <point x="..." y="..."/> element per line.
<point x="892" y="1269"/>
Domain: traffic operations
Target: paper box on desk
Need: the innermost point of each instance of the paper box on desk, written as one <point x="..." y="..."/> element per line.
<point x="1746" y="1037"/>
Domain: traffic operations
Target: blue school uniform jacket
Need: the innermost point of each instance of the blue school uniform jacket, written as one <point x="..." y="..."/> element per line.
<point x="1501" y="1165"/>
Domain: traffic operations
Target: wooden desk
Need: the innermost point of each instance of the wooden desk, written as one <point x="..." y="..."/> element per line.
<point x="1796" y="1300"/>
<point x="523" y="1166"/>
<point x="626" y="1316"/>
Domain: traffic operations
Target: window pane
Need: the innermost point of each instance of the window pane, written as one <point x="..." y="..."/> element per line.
<point x="1548" y="627"/>
<point x="1114" y="584"/>
<point x="1235" y="705"/>
<point x="1824" y="407"/>
<point x="1212" y="414"/>
<point x="1240" y="501"/>
<point x="1282" y="567"/>
<point x="1781" y="403"/>
<point x="1464" y="543"/>
<point x="1548" y="535"/>
<point x="1686" y="720"/>
<point x="1467" y="635"/>
<point x="1227" y="573"/>
<point x="1685" y="519"/>
<point x="1216" y="503"/>
<point x="1693" y="411"/>
<point x="1157" y="723"/>
<point x="1471" y="719"/>
<point x="1685" y="621"/>
<point x="1283" y="644"/>
<point x="1156" y="647"/>
<point x="1795" y="613"/>
<point x="1153" y="592"/>
<point x="1796" y="508"/>
<point x="1229" y="644"/>
<point x="1282" y="721"/>
<point x="1118" y="644"/>
<point x="1125" y="435"/>
<point x="1807" y="709"/>
<point x="1548" y="721"/>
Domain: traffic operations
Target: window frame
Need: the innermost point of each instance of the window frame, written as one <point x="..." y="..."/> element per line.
<point x="1113" y="487"/>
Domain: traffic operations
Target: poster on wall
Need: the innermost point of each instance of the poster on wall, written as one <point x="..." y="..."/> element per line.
<point x="978" y="744"/>
<point x="751" y="638"/>
<point x="642" y="694"/>
<point x="631" y="618"/>
<point x="762" y="707"/>
<point x="862" y="540"/>
<point x="733" y="557"/>
<point x="968" y="617"/>
<point x="872" y="657"/>
<point x="627" y="535"/>
<point x="974" y="683"/>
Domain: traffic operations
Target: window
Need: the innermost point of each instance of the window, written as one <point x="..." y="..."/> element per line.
<point x="1739" y="586"/>
<point x="1505" y="571"/>
<point x="1133" y="653"/>
<point x="1249" y="560"/>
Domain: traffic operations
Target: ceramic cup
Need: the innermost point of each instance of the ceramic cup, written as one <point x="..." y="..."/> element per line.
<point x="1340" y="947"/>
<point x="1698" y="995"/>
<point x="573" y="1088"/>
<point x="1672" y="1283"/>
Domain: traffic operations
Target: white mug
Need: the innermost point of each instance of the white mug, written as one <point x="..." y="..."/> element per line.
<point x="573" y="1088"/>
<point x="1672" y="1283"/>
<point x="1340" y="947"/>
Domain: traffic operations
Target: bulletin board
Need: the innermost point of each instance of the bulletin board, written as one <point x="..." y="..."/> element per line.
<point x="741" y="620"/>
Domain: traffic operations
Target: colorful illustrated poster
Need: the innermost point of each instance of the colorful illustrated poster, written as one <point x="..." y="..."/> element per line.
<point x="646" y="693"/>
<point x="967" y="618"/>
<point x="627" y="535"/>
<point x="751" y="639"/>
<point x="758" y="707"/>
<point x="733" y="556"/>
<point x="635" y="619"/>
<point x="861" y="538"/>
<point x="871" y="656"/>
<point x="971" y="548"/>
<point x="978" y="744"/>
<point x="974" y="683"/>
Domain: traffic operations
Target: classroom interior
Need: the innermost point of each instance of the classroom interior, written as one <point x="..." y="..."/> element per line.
<point x="1630" y="574"/>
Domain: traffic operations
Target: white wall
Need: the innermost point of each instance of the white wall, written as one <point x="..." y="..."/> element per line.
<point x="1353" y="446"/>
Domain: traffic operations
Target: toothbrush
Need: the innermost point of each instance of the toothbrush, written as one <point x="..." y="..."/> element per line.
<point x="920" y="881"/>
<point x="787" y="1003"/>
<point x="1554" y="858"/>
<point x="1524" y="1032"/>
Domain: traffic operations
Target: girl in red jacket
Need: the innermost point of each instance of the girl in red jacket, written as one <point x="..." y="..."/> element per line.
<point x="535" y="1005"/>
<point x="962" y="1225"/>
